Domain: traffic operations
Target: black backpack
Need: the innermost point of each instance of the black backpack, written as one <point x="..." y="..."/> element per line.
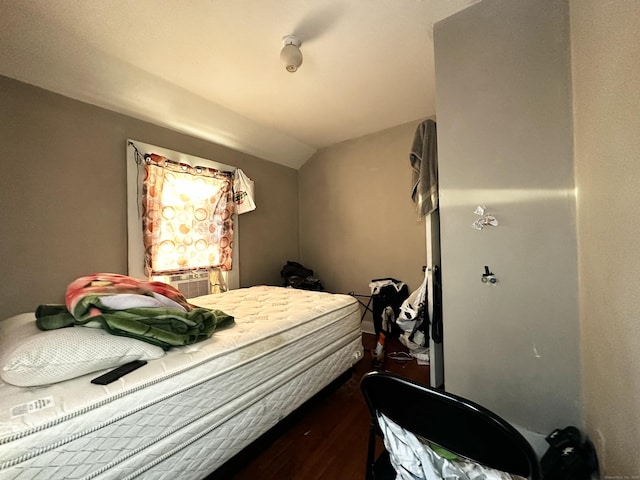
<point x="569" y="457"/>
<point x="296" y="275"/>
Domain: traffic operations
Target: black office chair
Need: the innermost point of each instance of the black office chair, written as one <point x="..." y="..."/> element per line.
<point x="451" y="422"/>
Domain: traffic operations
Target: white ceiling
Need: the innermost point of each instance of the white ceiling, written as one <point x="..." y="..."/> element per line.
<point x="211" y="68"/>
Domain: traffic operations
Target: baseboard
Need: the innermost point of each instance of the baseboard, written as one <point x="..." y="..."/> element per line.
<point x="366" y="326"/>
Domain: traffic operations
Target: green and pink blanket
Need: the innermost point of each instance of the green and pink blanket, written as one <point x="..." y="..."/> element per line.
<point x="154" y="312"/>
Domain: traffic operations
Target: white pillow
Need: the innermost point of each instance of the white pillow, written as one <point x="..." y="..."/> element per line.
<point x="31" y="357"/>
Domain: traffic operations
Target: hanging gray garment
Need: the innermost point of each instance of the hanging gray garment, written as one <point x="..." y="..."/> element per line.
<point x="424" y="160"/>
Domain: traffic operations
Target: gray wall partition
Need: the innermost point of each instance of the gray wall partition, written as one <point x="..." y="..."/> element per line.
<point x="505" y="141"/>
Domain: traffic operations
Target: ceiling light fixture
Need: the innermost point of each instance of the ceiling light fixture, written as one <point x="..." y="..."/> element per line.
<point x="290" y="53"/>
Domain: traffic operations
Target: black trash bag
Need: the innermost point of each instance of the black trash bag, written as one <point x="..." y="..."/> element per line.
<point x="295" y="275"/>
<point x="569" y="457"/>
<point x="391" y="295"/>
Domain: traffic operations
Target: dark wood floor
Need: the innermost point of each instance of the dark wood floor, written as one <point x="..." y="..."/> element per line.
<point x="324" y="439"/>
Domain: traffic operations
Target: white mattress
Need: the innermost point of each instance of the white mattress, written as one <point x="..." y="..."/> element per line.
<point x="184" y="415"/>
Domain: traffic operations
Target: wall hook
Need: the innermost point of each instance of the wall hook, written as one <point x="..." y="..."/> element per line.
<point x="488" y="276"/>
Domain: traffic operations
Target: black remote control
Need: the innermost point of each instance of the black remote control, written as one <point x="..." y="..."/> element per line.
<point x="121" y="371"/>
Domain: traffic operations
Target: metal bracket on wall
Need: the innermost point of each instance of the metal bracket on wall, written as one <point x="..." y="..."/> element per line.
<point x="488" y="276"/>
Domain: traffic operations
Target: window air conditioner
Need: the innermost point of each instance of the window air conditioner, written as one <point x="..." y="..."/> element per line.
<point x="191" y="284"/>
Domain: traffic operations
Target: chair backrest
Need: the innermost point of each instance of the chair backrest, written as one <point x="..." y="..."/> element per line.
<point x="454" y="423"/>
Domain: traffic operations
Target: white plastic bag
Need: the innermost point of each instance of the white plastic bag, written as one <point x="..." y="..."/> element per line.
<point x="412" y="308"/>
<point x="243" y="193"/>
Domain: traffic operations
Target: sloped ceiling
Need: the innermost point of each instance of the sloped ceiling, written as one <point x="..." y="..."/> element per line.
<point x="211" y="68"/>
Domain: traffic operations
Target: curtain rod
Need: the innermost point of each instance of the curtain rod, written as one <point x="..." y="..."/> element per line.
<point x="140" y="157"/>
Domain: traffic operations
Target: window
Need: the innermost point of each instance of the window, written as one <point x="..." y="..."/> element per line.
<point x="182" y="234"/>
<point x="186" y="216"/>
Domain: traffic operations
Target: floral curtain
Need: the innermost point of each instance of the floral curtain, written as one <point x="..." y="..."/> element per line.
<point x="186" y="216"/>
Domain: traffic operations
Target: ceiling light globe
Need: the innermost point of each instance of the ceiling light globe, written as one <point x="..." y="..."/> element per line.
<point x="291" y="57"/>
<point x="290" y="54"/>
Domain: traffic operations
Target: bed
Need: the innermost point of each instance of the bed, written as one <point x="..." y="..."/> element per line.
<point x="186" y="413"/>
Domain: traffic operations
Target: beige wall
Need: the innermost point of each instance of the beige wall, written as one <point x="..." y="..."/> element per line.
<point x="63" y="196"/>
<point x="505" y="141"/>
<point x="357" y="221"/>
<point x="605" y="39"/>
